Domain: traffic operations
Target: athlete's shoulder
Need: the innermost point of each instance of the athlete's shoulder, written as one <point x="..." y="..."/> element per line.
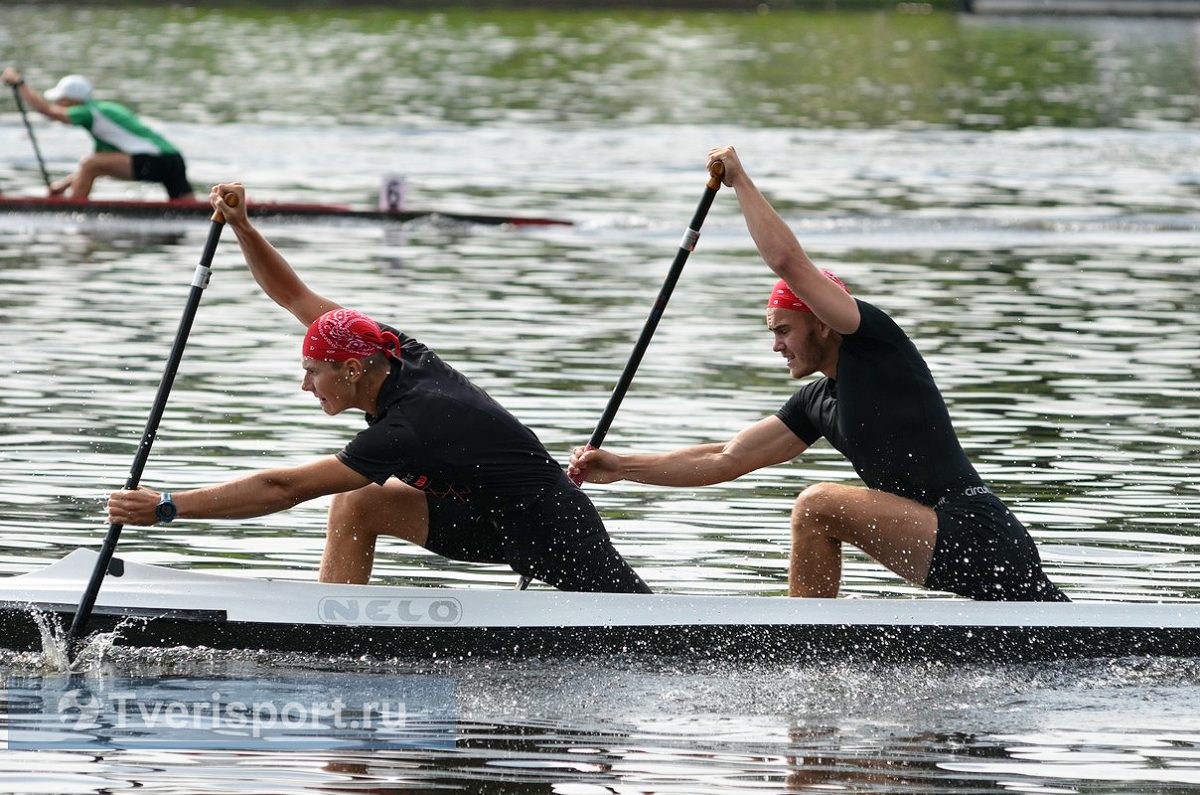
<point x="816" y="386"/>
<point x="109" y="106"/>
<point x="871" y="311"/>
<point x="809" y="394"/>
<point x="875" y="323"/>
<point x="117" y="113"/>
<point x="81" y="115"/>
<point x="807" y="411"/>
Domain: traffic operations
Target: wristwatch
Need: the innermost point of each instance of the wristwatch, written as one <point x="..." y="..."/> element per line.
<point x="166" y="510"/>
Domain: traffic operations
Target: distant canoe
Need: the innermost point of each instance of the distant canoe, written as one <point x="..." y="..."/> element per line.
<point x="157" y="606"/>
<point x="161" y="209"/>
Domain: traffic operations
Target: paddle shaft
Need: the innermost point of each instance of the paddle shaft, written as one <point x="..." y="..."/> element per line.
<point x="32" y="138"/>
<point x="199" y="282"/>
<point x="660" y="305"/>
<point x="716" y="172"/>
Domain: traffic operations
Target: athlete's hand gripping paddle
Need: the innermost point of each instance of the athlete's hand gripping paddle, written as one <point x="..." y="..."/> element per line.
<point x="716" y="172"/>
<point x="199" y="282"/>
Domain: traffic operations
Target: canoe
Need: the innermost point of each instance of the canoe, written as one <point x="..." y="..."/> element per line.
<point x="159" y="606"/>
<point x="323" y="212"/>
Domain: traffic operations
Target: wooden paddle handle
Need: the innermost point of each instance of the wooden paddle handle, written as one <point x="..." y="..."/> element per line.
<point x="717" y="170"/>
<point x="229" y="198"/>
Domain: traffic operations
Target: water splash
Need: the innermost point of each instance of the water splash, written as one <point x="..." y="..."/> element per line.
<point x="54" y="640"/>
<point x="92" y="652"/>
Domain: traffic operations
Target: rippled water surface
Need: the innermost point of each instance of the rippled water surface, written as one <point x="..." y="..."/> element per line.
<point x="1022" y="196"/>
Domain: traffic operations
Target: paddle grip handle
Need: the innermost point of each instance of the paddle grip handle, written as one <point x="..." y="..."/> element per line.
<point x="229" y="198"/>
<point x="717" y="173"/>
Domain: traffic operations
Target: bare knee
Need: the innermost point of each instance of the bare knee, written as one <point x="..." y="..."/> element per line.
<point x="105" y="164"/>
<point x="819" y="508"/>
<point x="89" y="166"/>
<point x="372" y="511"/>
<point x="350" y="511"/>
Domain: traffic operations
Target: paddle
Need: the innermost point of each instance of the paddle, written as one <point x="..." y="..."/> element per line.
<point x="199" y="282"/>
<point x="716" y="172"/>
<point x="29" y="128"/>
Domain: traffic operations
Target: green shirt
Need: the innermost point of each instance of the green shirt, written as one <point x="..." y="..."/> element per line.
<point x="116" y="128"/>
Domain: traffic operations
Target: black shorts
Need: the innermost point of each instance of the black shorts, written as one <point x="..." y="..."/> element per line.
<point x="170" y="170"/>
<point x="560" y="539"/>
<point x="984" y="552"/>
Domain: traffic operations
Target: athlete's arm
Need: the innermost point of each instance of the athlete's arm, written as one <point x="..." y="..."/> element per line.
<point x="267" y="265"/>
<point x="35" y="99"/>
<point x="782" y="252"/>
<point x="269" y="491"/>
<point x="765" y="443"/>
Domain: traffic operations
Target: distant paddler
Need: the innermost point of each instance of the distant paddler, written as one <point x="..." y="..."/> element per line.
<point x="126" y="147"/>
<point x="440" y="464"/>
<point x="924" y="512"/>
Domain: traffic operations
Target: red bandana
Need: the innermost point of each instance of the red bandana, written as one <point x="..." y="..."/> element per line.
<point x="783" y="297"/>
<point x="347" y="334"/>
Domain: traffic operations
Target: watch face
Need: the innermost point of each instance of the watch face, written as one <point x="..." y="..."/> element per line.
<point x="165" y="511"/>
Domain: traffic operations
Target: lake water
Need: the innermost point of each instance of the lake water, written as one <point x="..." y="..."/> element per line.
<point x="1022" y="195"/>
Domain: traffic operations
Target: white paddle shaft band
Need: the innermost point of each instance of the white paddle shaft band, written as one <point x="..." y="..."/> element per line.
<point x="200" y="279"/>
<point x="689" y="240"/>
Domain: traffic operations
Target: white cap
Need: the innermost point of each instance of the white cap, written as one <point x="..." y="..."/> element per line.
<point x="76" y="87"/>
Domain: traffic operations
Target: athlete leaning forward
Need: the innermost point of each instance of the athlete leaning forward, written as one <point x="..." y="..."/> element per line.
<point x="924" y="513"/>
<point x="440" y="464"/>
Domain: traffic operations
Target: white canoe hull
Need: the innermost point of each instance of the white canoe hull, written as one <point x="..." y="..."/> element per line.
<point x="184" y="607"/>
